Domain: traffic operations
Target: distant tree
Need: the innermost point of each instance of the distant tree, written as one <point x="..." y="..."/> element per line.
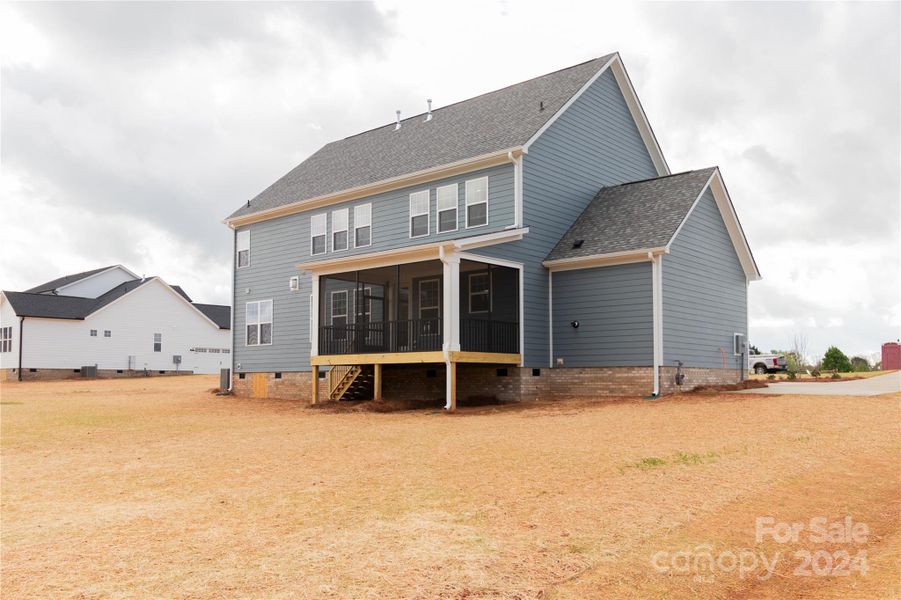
<point x="752" y="349"/>
<point x="799" y="348"/>
<point x="860" y="364"/>
<point x="835" y="360"/>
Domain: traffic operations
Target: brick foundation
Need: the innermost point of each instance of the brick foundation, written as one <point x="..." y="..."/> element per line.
<point x="478" y="382"/>
<point x="61" y="374"/>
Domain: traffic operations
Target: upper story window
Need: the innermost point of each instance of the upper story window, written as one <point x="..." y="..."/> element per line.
<point x="362" y="225"/>
<point x="477" y="202"/>
<point x="258" y="321"/>
<point x="93" y="333"/>
<point x="157" y="342"/>
<point x="6" y="339"/>
<point x="243" y="249"/>
<point x="447" y="208"/>
<point x="317" y="234"/>
<point x="339" y="229"/>
<point x="419" y="214"/>
<point x="107" y="333"/>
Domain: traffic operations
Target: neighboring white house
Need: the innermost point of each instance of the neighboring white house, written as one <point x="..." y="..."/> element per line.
<point x="114" y="320"/>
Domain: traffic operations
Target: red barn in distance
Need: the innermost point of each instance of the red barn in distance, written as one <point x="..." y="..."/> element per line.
<point x="891" y="356"/>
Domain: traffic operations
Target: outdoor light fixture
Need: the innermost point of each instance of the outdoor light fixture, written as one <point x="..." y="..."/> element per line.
<point x="575" y="324"/>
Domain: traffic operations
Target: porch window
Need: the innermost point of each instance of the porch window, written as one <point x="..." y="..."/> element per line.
<point x="419" y="214"/>
<point x="339" y="229"/>
<point x="430" y="299"/>
<point x="477" y="202"/>
<point x="362" y="225"/>
<point x="258" y="320"/>
<point x="447" y="208"/>
<point x="339" y="313"/>
<point x="479" y="297"/>
<point x="243" y="248"/>
<point x="317" y="234"/>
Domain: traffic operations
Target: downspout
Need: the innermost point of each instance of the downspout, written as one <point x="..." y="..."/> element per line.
<point x="231" y="378"/>
<point x="655" y="299"/>
<point x="21" y="330"/>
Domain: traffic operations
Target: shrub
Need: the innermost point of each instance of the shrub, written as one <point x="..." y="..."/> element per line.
<point x="792" y="375"/>
<point x="771" y="376"/>
<point x="815" y="373"/>
<point x="836" y="376"/>
<point x="836" y="360"/>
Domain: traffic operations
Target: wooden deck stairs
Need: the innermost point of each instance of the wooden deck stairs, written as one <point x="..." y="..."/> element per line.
<point x="350" y="382"/>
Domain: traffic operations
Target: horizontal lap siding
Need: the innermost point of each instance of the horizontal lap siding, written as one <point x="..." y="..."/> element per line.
<point x="595" y="143"/>
<point x="613" y="306"/>
<point x="277" y="246"/>
<point x="704" y="292"/>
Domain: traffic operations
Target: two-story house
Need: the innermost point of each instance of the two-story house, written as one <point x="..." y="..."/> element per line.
<point x="527" y="242"/>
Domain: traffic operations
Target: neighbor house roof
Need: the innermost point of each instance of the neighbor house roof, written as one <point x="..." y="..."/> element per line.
<point x="66" y="280"/>
<point x="217" y="313"/>
<point x="632" y="216"/>
<point x="493" y="122"/>
<point x="51" y="306"/>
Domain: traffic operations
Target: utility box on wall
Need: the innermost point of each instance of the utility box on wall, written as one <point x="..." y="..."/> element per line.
<point x="891" y="356"/>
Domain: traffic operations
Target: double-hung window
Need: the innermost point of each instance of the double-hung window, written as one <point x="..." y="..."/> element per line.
<point x="157" y="342"/>
<point x="362" y="225"/>
<point x="339" y="229"/>
<point x="419" y="214"/>
<point x="242" y="244"/>
<point x="258" y="318"/>
<point x="447" y="208"/>
<point x="317" y="234"/>
<point x="6" y="339"/>
<point x="479" y="293"/>
<point x="477" y="202"/>
<point x="338" y="317"/>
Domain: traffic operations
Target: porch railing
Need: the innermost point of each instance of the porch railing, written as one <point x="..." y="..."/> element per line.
<point x="413" y="335"/>
<point x="417" y="335"/>
<point x="488" y="335"/>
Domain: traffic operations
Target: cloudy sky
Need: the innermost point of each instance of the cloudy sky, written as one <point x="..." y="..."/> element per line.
<point x="129" y="131"/>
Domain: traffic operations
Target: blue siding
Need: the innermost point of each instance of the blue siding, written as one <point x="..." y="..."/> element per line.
<point x="614" y="308"/>
<point x="595" y="143"/>
<point x="277" y="246"/>
<point x="704" y="292"/>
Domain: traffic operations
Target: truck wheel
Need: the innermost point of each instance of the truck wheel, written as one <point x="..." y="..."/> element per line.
<point x="760" y="369"/>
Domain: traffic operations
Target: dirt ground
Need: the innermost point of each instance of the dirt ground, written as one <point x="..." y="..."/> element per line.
<point x="157" y="488"/>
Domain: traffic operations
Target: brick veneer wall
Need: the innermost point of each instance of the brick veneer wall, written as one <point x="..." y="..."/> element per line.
<point x="291" y="386"/>
<point x="60" y="374"/>
<point x="412" y="382"/>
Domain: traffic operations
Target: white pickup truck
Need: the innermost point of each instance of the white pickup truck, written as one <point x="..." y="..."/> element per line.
<point x="767" y="363"/>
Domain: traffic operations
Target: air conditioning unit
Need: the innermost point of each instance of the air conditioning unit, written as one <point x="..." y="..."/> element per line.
<point x="89" y="371"/>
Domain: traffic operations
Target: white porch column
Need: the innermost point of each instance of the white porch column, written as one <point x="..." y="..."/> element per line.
<point x="451" y="316"/>
<point x="314" y="317"/>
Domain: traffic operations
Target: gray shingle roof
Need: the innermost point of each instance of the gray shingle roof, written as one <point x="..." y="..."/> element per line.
<point x="633" y="216"/>
<point x="50" y="306"/>
<point x="65" y="280"/>
<point x="221" y="315"/>
<point x="492" y="122"/>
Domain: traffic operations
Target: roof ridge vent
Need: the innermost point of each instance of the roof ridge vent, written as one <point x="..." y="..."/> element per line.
<point x="428" y="116"/>
<point x="397" y="124"/>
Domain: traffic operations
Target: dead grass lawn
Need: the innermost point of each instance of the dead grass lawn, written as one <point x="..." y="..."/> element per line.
<point x="156" y="488"/>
